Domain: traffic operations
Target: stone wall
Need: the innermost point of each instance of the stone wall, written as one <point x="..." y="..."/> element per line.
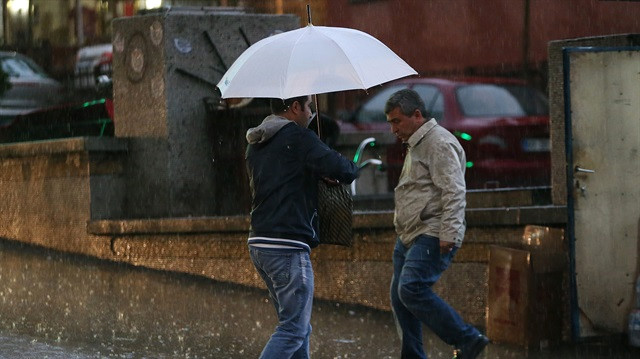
<point x="68" y="194"/>
<point x="50" y="190"/>
<point x="215" y="247"/>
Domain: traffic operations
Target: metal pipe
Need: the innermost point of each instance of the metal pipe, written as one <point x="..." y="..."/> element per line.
<point x="358" y="156"/>
<point x="370" y="161"/>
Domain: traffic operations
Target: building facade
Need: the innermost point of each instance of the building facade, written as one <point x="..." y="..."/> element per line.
<point x="436" y="37"/>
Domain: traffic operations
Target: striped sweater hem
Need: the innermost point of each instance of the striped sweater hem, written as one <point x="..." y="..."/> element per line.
<point x="269" y="242"/>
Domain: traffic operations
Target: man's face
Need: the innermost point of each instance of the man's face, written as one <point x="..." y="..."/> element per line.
<point x="307" y="110"/>
<point x="404" y="126"/>
<point x="303" y="112"/>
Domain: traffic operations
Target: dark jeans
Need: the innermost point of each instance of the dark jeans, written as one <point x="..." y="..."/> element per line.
<point x="415" y="270"/>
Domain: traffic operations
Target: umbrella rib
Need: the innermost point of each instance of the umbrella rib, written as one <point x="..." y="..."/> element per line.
<point x="283" y="86"/>
<point x="360" y="77"/>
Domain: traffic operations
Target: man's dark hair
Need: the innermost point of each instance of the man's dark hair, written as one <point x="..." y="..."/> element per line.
<point x="279" y="105"/>
<point x="408" y="101"/>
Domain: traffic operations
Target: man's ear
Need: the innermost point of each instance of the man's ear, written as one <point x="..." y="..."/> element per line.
<point x="417" y="113"/>
<point x="295" y="105"/>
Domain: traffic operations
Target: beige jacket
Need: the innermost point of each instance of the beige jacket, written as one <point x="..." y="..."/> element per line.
<point x="430" y="196"/>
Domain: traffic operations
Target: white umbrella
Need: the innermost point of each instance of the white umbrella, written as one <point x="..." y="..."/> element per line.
<point x="312" y="60"/>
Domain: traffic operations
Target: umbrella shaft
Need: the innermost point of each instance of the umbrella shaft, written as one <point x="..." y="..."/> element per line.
<point x="315" y="99"/>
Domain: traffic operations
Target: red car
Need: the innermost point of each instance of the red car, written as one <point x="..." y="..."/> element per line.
<point x="502" y="124"/>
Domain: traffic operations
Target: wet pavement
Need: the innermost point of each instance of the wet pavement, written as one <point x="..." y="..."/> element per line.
<point x="54" y="305"/>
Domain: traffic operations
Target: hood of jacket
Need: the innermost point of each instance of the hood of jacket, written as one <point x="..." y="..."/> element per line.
<point x="269" y="127"/>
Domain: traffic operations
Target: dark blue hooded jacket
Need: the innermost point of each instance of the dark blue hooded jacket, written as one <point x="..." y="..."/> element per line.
<point x="284" y="163"/>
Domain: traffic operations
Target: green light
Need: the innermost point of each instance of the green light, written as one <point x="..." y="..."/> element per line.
<point x="372" y="144"/>
<point x="465" y="136"/>
<point x="91" y="103"/>
<point x="469" y="164"/>
<point x="356" y="157"/>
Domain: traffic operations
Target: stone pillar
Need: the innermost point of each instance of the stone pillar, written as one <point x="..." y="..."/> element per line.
<point x="165" y="68"/>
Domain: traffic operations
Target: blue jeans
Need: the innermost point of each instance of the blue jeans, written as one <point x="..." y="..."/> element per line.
<point x="289" y="278"/>
<point x="415" y="270"/>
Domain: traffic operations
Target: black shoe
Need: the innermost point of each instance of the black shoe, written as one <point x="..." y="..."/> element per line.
<point x="473" y="348"/>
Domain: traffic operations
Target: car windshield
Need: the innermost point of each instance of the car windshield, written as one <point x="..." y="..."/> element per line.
<point x="491" y="100"/>
<point x="433" y="101"/>
<point x="19" y="67"/>
<point x="373" y="110"/>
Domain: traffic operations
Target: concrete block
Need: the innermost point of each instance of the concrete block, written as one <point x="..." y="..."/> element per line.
<point x="165" y="68"/>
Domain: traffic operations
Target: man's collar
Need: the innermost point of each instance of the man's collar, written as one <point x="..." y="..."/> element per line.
<point x="420" y="132"/>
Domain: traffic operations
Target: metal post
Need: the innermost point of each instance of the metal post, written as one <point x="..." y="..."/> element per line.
<point x="5" y="27"/>
<point x="29" y="25"/>
<point x="79" y="24"/>
<point x="525" y="41"/>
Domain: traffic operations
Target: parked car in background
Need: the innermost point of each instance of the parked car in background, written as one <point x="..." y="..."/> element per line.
<point x="31" y="88"/>
<point x="92" y="62"/>
<point x="92" y="118"/>
<point x="88" y="113"/>
<point x="502" y="124"/>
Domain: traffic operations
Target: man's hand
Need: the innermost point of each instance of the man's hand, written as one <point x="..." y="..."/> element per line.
<point x="446" y="247"/>
<point x="330" y="181"/>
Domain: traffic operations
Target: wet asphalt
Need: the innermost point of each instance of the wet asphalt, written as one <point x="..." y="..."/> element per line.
<point x="54" y="305"/>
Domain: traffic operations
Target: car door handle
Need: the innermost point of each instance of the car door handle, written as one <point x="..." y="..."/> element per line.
<point x="585" y="170"/>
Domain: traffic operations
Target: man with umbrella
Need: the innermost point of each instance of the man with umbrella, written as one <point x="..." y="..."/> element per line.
<point x="285" y="160"/>
<point x="429" y="220"/>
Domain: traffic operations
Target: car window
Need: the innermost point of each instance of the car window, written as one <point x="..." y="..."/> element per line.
<point x="17" y="67"/>
<point x="490" y="100"/>
<point x="373" y="110"/>
<point x="433" y="101"/>
<point x="533" y="102"/>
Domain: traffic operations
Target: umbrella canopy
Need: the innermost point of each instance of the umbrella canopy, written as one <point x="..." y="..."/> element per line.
<point x="312" y="60"/>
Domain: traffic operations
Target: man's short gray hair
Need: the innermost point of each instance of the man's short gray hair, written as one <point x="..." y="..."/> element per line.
<point x="408" y="101"/>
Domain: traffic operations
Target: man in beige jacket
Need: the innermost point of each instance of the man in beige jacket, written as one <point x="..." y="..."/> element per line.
<point x="429" y="220"/>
